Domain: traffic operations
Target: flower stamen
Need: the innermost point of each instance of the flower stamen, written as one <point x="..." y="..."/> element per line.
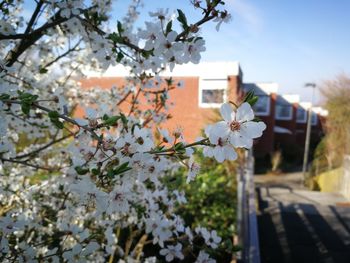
<point x="235" y="126"/>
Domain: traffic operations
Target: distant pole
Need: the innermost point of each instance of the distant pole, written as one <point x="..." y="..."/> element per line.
<point x="308" y="133"/>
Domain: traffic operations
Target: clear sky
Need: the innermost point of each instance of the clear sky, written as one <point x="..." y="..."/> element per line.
<point x="290" y="42"/>
<point x="286" y="41"/>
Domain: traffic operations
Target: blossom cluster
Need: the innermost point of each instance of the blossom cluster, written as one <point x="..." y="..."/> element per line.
<point x="90" y="188"/>
<point x="237" y="130"/>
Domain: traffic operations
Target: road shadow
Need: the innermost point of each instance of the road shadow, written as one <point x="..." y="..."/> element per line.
<point x="300" y="232"/>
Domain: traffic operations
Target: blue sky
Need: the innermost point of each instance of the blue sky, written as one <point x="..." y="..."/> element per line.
<point x="286" y="41"/>
<point x="289" y="42"/>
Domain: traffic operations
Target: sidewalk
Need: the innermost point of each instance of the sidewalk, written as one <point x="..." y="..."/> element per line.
<point x="298" y="225"/>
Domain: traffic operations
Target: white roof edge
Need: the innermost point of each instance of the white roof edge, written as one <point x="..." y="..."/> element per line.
<point x="216" y="69"/>
<point x="305" y="104"/>
<point x="291" y="98"/>
<point x="316" y="109"/>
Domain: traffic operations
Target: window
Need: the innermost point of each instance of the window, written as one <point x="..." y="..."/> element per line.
<point x="314" y="119"/>
<point x="262" y="106"/>
<point x="284" y="112"/>
<point x="212" y="92"/>
<point x="301" y="115"/>
<point x="212" y="96"/>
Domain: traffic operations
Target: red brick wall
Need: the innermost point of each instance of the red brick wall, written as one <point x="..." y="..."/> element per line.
<point x="285" y="138"/>
<point x="265" y="144"/>
<point x="186" y="112"/>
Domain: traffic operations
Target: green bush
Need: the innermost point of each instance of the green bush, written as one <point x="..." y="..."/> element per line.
<point x="212" y="200"/>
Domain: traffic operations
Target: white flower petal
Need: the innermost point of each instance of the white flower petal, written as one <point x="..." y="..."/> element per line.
<point x="230" y="153"/>
<point x="252" y="129"/>
<point x="221" y="129"/>
<point x="245" y="112"/>
<point x="237" y="140"/>
<point x="171" y="36"/>
<point x="226" y="111"/>
<point x="219" y="154"/>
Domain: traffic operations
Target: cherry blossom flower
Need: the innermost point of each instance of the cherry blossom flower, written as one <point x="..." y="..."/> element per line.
<point x="69" y="7"/>
<point x="107" y="178"/>
<point x="210" y="238"/>
<point x="193" y="50"/>
<point x="167" y="47"/>
<point x="204" y="258"/>
<point x="222" y="150"/>
<point x="160" y="13"/>
<point x="238" y="126"/>
<point x="172" y="252"/>
<point x="193" y="170"/>
<point x="222" y="17"/>
<point x="165" y="136"/>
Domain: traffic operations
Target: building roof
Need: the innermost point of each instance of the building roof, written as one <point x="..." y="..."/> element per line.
<point x="291" y="98"/>
<point x="205" y="70"/>
<point x="262" y="88"/>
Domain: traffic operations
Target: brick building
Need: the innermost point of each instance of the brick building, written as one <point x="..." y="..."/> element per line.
<point x="209" y="84"/>
<point x="264" y="110"/>
<point x="206" y="86"/>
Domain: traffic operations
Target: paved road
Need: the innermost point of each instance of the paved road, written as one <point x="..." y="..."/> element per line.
<point x="297" y="225"/>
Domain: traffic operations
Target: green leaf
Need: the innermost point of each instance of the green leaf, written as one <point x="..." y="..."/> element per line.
<point x="25" y="108"/>
<point x="80" y="170"/>
<point x="119" y="170"/>
<point x="169" y="27"/>
<point x="111" y="120"/>
<point x="58" y="124"/>
<point x="249" y="95"/>
<point x="120" y="27"/>
<point x="253" y="100"/>
<point x="179" y="147"/>
<point x="115" y="37"/>
<point x="124" y="119"/>
<point x="43" y="70"/>
<point x="95" y="171"/>
<point x="120" y="56"/>
<point x="182" y="19"/>
<point x="53" y="114"/>
<point x="4" y="96"/>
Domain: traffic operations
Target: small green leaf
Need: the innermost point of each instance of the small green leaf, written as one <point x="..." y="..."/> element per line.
<point x="111" y="120"/>
<point x="43" y="70"/>
<point x="120" y="56"/>
<point x="115" y="37"/>
<point x="182" y="19"/>
<point x="58" y="124"/>
<point x="120" y="27"/>
<point x="169" y="27"/>
<point x="249" y="95"/>
<point x="25" y="108"/>
<point x="53" y="114"/>
<point x="122" y="168"/>
<point x="253" y="100"/>
<point x="124" y="119"/>
<point x="80" y="170"/>
<point x="179" y="146"/>
<point x="4" y="96"/>
<point x="95" y="171"/>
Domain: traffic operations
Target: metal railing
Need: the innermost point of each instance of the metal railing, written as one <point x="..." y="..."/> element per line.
<point x="247" y="226"/>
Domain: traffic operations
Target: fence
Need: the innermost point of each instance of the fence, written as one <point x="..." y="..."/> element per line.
<point x="247" y="227"/>
<point x="345" y="180"/>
